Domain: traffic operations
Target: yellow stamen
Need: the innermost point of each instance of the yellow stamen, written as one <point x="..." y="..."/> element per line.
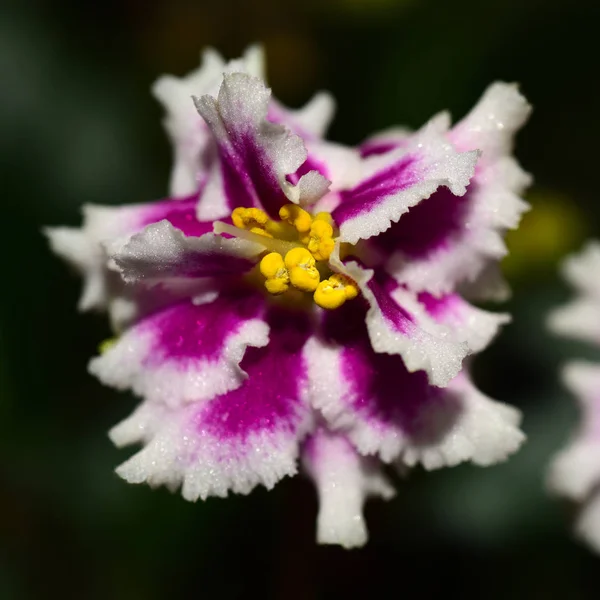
<point x="300" y="264"/>
<point x="333" y="292"/>
<point x="275" y="245"/>
<point x="320" y="242"/>
<point x="296" y="252"/>
<point x="296" y="216"/>
<point x="273" y="269"/>
<point x="247" y="218"/>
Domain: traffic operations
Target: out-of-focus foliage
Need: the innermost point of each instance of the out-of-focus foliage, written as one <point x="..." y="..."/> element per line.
<point x="78" y="125"/>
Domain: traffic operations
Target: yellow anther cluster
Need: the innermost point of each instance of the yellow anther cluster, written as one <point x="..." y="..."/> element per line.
<point x="300" y="244"/>
<point x="333" y="292"/>
<point x="298" y="268"/>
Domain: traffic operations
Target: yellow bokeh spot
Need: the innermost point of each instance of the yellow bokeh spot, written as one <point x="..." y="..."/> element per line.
<point x="333" y="292"/>
<point x="107" y="344"/>
<point x="296" y="217"/>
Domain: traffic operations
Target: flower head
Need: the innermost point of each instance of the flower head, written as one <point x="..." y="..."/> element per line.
<point x="575" y="471"/>
<point x="302" y="301"/>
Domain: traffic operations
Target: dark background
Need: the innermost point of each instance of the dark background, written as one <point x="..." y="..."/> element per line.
<point x="77" y="125"/>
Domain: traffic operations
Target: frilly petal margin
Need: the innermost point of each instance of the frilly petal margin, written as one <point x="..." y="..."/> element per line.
<point x="344" y="479"/>
<point x="162" y="252"/>
<point x="83" y="248"/>
<point x="396" y="181"/>
<point x="187" y="130"/>
<point x="468" y="323"/>
<point x="448" y="239"/>
<point x="86" y="256"/>
<point x="398" y="324"/>
<point x="256" y="155"/>
<point x="186" y="352"/>
<point x="248" y="436"/>
<point x="398" y="416"/>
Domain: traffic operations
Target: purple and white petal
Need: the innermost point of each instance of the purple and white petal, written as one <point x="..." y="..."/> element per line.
<point x="309" y="122"/>
<point x="467" y="323"/>
<point x="459" y="235"/>
<point x="385" y="141"/>
<point x="398" y="324"/>
<point x="142" y="425"/>
<point x="86" y="257"/>
<point x="188" y="351"/>
<point x="394" y="182"/>
<point x="162" y="252"/>
<point x="84" y="249"/>
<point x="339" y="164"/>
<point x="387" y="411"/>
<point x="248" y="436"/>
<point x="190" y="136"/>
<point x="493" y="122"/>
<point x="255" y="155"/>
<point x="344" y="480"/>
<point x="448" y="239"/>
<point x="488" y="286"/>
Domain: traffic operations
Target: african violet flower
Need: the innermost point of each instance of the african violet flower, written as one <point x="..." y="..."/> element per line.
<point x="575" y="472"/>
<point x="298" y="299"/>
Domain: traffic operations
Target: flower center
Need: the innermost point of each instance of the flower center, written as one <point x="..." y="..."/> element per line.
<point x="297" y="252"/>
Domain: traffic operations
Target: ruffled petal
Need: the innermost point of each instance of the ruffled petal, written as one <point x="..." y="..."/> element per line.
<point x="398" y="324"/>
<point x="187" y="130"/>
<point x="162" y="252"/>
<point x="344" y="480"/>
<point x="240" y="439"/>
<point x="309" y="122"/>
<point x="83" y="247"/>
<point x="387" y="411"/>
<point x="396" y="181"/>
<point x="186" y="352"/>
<point x="493" y="122"/>
<point x="458" y="236"/>
<point x="86" y="257"/>
<point x="449" y="239"/>
<point x="467" y="323"/>
<point x="255" y="155"/>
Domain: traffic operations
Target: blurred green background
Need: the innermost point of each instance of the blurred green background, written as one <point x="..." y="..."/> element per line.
<point x="77" y="124"/>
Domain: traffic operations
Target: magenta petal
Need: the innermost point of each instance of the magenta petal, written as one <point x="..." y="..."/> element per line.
<point x="242" y="438"/>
